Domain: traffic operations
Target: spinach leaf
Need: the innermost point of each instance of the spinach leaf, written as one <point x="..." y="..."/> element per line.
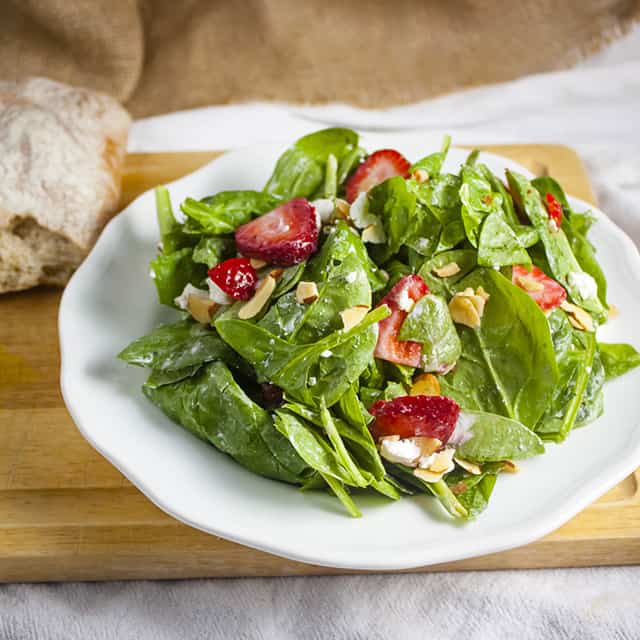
<point x="177" y="346"/>
<point x="576" y="225"/>
<point x="300" y="171"/>
<point x="592" y="404"/>
<point x="159" y="378"/>
<point x="226" y="211"/>
<point x="172" y="237"/>
<point x="395" y="205"/>
<point x="331" y="177"/>
<point x="464" y="258"/>
<point x="432" y="163"/>
<point x="497" y="185"/>
<point x="173" y="271"/>
<point x="453" y="233"/>
<point x="494" y="438"/>
<point x="617" y="359"/>
<point x="498" y="244"/>
<point x="289" y="279"/>
<point x="508" y="365"/>
<point x="302" y="370"/>
<point x="213" y="250"/>
<point x="430" y="323"/>
<point x="575" y="352"/>
<point x="562" y="262"/>
<point x="213" y="407"/>
<point x="473" y="492"/>
<point x="396" y="270"/>
<point x="478" y="201"/>
<point x="425" y="232"/>
<point x="349" y="162"/>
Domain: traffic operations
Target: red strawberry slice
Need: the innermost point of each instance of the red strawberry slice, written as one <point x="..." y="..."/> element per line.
<point x="554" y="209"/>
<point x="236" y="277"/>
<point x="400" y="299"/>
<point x="285" y="236"/>
<point x="409" y="416"/>
<point x="547" y="293"/>
<point x="379" y="166"/>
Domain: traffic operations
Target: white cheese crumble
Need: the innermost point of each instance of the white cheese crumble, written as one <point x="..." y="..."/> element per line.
<point x="462" y="432"/>
<point x="183" y="299"/>
<point x="584" y="283"/>
<point x="426" y="461"/>
<point x="217" y="294"/>
<point x="359" y="212"/>
<point x="351" y="277"/>
<point x="324" y="210"/>
<point x="405" y="452"/>
<point x="405" y="301"/>
<point x="327" y="353"/>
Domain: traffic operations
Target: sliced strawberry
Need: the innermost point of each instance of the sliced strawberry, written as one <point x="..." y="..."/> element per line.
<point x="409" y="416"/>
<point x="547" y="293"/>
<point x="236" y="277"/>
<point x="285" y="236"/>
<point x="554" y="209"/>
<point x="379" y="166"/>
<point x="405" y="293"/>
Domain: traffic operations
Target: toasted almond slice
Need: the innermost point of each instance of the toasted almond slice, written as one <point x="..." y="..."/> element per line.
<point x="443" y="461"/>
<point x="276" y="273"/>
<point x="426" y="384"/>
<point x="578" y="317"/>
<point x="447" y="270"/>
<point x="306" y="292"/>
<point x="471" y="467"/>
<point x="374" y="234"/>
<point x="529" y="284"/>
<point x="257" y="263"/>
<point x="342" y="208"/>
<point x="427" y="445"/>
<point x="426" y="475"/>
<point x="253" y="307"/>
<point x="482" y="293"/>
<point x="353" y="316"/>
<point x="201" y="309"/>
<point x="463" y="311"/>
<point x="613" y="312"/>
<point x="420" y="175"/>
<point x="510" y="466"/>
<point x="393" y="438"/>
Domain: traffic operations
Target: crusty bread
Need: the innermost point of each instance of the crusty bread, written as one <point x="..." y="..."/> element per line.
<point x="61" y="155"/>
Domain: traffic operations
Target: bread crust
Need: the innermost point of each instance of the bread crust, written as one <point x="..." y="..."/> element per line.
<point x="61" y="156"/>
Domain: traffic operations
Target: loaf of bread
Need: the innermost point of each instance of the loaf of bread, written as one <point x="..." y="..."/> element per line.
<point x="61" y="155"/>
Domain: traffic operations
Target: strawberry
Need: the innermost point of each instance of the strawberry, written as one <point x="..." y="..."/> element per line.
<point x="547" y="293"/>
<point x="375" y="169"/>
<point x="405" y="293"/>
<point x="236" y="277"/>
<point x="285" y="236"/>
<point x="409" y="416"/>
<point x="554" y="209"/>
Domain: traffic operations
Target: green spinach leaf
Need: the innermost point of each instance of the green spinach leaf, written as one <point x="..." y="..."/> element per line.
<point x="213" y="250"/>
<point x="617" y="359"/>
<point x="173" y="271"/>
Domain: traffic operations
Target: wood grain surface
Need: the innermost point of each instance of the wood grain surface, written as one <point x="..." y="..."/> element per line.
<point x="67" y="514"/>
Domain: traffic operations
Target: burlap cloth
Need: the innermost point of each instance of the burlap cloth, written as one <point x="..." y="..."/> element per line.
<point x="162" y="55"/>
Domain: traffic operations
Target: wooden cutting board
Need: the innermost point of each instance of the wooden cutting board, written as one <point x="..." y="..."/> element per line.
<point x="67" y="514"/>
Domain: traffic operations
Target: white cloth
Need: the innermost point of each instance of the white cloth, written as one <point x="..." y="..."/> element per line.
<point x="596" y="110"/>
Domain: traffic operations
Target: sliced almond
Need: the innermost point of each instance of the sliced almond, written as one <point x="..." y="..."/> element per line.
<point x="256" y="263"/>
<point x="442" y="462"/>
<point x="578" y="317"/>
<point x="529" y="284"/>
<point x="420" y="175"/>
<point x="463" y="311"/>
<point x="393" y="438"/>
<point x="447" y="270"/>
<point x="306" y="292"/>
<point x="426" y="475"/>
<point x="613" y="312"/>
<point x="201" y="309"/>
<point x="510" y="467"/>
<point x="482" y="293"/>
<point x="253" y="307"/>
<point x="374" y="234"/>
<point x="471" y="467"/>
<point x="353" y="316"/>
<point x="342" y="208"/>
<point x="425" y="384"/>
<point x="276" y="273"/>
<point x="427" y="445"/>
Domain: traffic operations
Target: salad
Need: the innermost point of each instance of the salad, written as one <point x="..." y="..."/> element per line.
<point x="368" y="324"/>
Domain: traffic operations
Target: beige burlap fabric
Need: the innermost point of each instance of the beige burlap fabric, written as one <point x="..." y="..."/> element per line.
<point x="162" y="55"/>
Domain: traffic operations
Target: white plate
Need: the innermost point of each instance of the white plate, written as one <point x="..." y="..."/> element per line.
<point x="111" y="300"/>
